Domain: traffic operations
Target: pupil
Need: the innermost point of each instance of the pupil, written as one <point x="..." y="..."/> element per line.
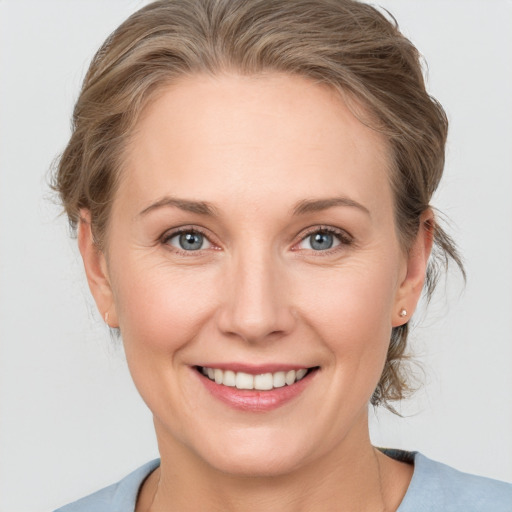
<point x="321" y="241"/>
<point x="191" y="241"/>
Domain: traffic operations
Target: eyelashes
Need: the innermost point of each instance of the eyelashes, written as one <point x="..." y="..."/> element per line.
<point x="187" y="240"/>
<point x="319" y="240"/>
<point x="323" y="239"/>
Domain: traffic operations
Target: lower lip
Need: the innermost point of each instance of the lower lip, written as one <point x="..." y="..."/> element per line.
<point x="254" y="400"/>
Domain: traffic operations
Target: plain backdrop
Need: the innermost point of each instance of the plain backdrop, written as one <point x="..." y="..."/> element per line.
<point x="70" y="418"/>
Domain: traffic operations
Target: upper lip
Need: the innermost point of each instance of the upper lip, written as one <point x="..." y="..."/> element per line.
<point x="255" y="369"/>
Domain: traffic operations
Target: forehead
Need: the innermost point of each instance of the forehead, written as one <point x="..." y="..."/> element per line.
<point x="228" y="136"/>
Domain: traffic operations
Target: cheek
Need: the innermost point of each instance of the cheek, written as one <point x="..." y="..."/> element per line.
<point x="351" y="308"/>
<point x="161" y="314"/>
<point x="162" y="308"/>
<point x="362" y="292"/>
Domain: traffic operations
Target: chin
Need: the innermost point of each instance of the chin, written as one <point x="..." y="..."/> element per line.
<point x="257" y="466"/>
<point x="256" y="455"/>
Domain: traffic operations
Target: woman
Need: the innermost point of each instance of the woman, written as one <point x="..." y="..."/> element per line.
<point x="251" y="187"/>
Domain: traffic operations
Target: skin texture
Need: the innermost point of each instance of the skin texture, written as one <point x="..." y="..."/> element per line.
<point x="254" y="149"/>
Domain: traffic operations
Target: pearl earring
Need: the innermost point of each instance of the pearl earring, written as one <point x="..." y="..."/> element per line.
<point x="403" y="312"/>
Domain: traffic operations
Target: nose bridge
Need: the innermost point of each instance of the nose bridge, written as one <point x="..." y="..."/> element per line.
<point x="256" y="304"/>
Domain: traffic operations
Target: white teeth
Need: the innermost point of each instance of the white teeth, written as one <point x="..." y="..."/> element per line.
<point x="290" y="377"/>
<point x="229" y="378"/>
<point x="261" y="382"/>
<point x="301" y="373"/>
<point x="244" y="381"/>
<point x="279" y="379"/>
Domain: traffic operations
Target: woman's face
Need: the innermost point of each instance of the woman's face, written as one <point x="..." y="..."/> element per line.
<point x="253" y="235"/>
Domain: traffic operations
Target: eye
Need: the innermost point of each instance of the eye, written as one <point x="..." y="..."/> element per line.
<point x="189" y="240"/>
<point x="319" y="241"/>
<point x="323" y="240"/>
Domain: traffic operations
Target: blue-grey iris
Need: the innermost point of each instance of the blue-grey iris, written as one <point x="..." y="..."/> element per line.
<point x="321" y="241"/>
<point x="191" y="241"/>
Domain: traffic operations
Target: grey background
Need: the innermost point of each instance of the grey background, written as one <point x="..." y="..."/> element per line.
<point x="70" y="418"/>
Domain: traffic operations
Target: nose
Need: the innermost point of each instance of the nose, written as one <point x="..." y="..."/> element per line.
<point x="256" y="306"/>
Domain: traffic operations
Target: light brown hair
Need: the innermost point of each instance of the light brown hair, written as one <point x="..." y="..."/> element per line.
<point x="347" y="45"/>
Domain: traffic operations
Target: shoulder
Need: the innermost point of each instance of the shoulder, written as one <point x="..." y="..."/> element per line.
<point x="118" y="497"/>
<point x="435" y="486"/>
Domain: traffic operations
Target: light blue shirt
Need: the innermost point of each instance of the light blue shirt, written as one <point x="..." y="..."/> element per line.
<point x="434" y="487"/>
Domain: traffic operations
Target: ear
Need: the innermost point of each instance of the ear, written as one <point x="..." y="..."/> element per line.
<point x="409" y="292"/>
<point x="96" y="270"/>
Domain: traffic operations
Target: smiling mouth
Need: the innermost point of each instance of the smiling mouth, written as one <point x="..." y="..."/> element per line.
<point x="259" y="382"/>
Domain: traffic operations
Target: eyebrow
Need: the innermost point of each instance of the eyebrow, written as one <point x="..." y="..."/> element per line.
<point x="301" y="208"/>
<point x="199" y="207"/>
<point x="317" y="205"/>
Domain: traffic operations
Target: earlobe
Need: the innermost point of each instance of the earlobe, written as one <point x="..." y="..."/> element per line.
<point x="411" y="287"/>
<point x="96" y="270"/>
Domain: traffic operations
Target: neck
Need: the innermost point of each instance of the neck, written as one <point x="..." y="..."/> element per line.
<point x="353" y="476"/>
